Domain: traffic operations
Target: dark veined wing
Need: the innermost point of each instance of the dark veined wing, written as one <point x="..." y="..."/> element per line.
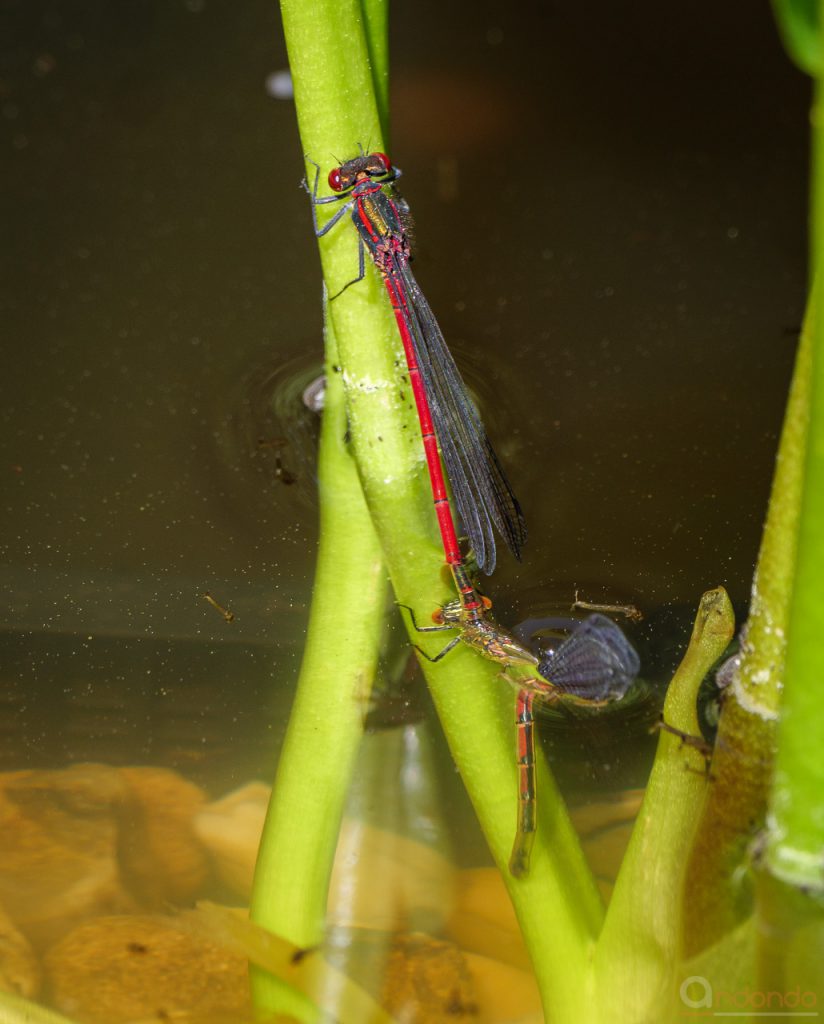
<point x="483" y="495"/>
<point x="596" y="662"/>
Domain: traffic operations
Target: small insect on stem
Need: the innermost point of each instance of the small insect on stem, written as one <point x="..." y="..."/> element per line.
<point x="687" y="740"/>
<point x="629" y="611"/>
<point x="227" y="615"/>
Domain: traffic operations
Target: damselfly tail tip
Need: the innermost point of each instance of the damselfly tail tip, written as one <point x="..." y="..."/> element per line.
<point x="519" y="858"/>
<point x="517" y="867"/>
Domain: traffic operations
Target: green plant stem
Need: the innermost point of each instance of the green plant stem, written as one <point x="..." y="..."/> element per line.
<point x="17" y="1010"/>
<point x="557" y="904"/>
<point x="798" y="25"/>
<point x="790" y="886"/>
<point x="326" y="987"/>
<point x="333" y="73"/>
<point x="376" y="23"/>
<point x="795" y="838"/>
<point x="325" y="727"/>
<point x="789" y="939"/>
<point x="744" y="750"/>
<point x="639" y="949"/>
<point x="335" y="100"/>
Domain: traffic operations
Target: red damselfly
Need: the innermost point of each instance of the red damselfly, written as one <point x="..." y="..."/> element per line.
<point x="482" y="492"/>
<point x="447" y="414"/>
<point x="594" y="666"/>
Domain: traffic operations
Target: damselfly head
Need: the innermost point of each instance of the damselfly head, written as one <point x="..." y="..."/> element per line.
<point x="371" y="165"/>
<point x="379" y="163"/>
<point x="448" y="614"/>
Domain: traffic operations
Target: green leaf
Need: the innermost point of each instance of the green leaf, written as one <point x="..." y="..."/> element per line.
<point x="799" y="25"/>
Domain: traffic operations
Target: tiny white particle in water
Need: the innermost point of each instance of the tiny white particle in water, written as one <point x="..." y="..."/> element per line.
<point x="279" y="85"/>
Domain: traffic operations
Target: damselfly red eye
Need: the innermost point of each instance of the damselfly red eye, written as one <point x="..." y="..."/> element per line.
<point x="335" y="180"/>
<point x="384" y="159"/>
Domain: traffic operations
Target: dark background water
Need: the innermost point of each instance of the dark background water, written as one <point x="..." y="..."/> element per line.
<point x="610" y="211"/>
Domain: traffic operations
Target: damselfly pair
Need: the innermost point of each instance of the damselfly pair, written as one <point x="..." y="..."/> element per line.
<point x="595" y="664"/>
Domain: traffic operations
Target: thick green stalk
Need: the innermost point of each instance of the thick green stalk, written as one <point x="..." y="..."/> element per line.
<point x="335" y="81"/>
<point x="720" y="893"/>
<point x="335" y="99"/>
<point x="557" y="903"/>
<point x="376" y="30"/>
<point x="17" y="1010"/>
<point x="325" y="727"/>
<point x="798" y="25"/>
<point x="640" y="948"/>
<point x="795" y="842"/>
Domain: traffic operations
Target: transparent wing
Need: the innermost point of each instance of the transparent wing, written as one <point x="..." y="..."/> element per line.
<point x="483" y="495"/>
<point x="595" y="663"/>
